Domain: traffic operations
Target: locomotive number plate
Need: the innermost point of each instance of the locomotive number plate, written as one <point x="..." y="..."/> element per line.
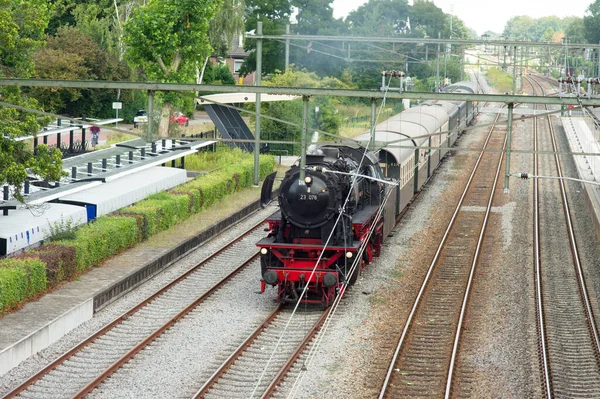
<point x="308" y="197"/>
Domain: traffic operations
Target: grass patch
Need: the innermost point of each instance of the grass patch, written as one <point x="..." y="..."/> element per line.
<point x="352" y="131"/>
<point x="500" y="80"/>
<point x="356" y="119"/>
<point x="115" y="138"/>
<point x="224" y="156"/>
<point x="377" y="300"/>
<point x="396" y="274"/>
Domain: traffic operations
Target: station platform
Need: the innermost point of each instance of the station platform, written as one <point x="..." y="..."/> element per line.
<point x="584" y="138"/>
<point x="42" y="322"/>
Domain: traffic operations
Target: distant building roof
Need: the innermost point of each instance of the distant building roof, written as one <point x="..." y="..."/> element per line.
<point x="237" y="48"/>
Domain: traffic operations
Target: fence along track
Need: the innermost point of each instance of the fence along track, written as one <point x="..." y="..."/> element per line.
<point x="423" y="361"/>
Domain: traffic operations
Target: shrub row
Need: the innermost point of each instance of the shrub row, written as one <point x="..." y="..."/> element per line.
<point x="21" y="276"/>
<point x="164" y="210"/>
<point x="97" y="241"/>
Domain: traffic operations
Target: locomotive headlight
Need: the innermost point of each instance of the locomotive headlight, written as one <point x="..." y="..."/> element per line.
<point x="308" y="180"/>
<point x="349" y="255"/>
<point x="263" y="251"/>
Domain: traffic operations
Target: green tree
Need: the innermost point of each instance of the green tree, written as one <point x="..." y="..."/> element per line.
<point x="327" y="118"/>
<point x="378" y="17"/>
<point x="22" y="25"/>
<point x="428" y="18"/>
<point x="168" y="39"/>
<point x="459" y="29"/>
<point x="218" y="74"/>
<point x="275" y="15"/>
<point x="72" y="54"/>
<point x="17" y="161"/>
<point x="591" y="22"/>
<point x="518" y="28"/>
<point x="315" y="17"/>
<point x="227" y="23"/>
<point x="575" y="29"/>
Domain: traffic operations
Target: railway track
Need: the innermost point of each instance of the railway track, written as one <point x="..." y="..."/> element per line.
<point x="84" y="367"/>
<point x="260" y="364"/>
<point x="569" y="343"/>
<point x="424" y="357"/>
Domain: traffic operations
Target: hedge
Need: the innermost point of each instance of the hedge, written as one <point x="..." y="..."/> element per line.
<point x="227" y="180"/>
<point x="27" y="274"/>
<point x="161" y="211"/>
<point x="102" y="238"/>
<point x="20" y="279"/>
<point x="13" y="286"/>
<point x="59" y="260"/>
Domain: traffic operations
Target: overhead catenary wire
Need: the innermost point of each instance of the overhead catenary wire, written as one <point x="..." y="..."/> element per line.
<point x="313" y="351"/>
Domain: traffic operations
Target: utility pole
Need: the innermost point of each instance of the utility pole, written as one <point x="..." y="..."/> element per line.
<point x="462" y="62"/>
<point x="566" y="49"/>
<point x="257" y="122"/>
<point x="287" y="47"/>
<point x="437" y="79"/>
<point x="514" y="85"/>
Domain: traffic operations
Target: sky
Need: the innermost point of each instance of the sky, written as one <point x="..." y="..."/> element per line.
<point x="482" y="15"/>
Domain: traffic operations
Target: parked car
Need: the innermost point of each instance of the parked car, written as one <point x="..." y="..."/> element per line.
<point x="140" y="117"/>
<point x="179" y="118"/>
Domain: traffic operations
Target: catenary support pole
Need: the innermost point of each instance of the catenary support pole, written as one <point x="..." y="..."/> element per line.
<point x="257" y="83"/>
<point x="373" y="122"/>
<point x="437" y="76"/>
<point x="514" y="59"/>
<point x="287" y="48"/>
<point x="462" y="63"/>
<point x="508" y="134"/>
<point x="304" y="133"/>
<point x="150" y="114"/>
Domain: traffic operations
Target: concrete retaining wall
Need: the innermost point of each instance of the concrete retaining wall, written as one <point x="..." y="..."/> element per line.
<point x="44" y="337"/>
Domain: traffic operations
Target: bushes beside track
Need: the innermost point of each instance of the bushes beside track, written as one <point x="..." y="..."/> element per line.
<point x="28" y="274"/>
<point x="106" y="236"/>
<point x="20" y="278"/>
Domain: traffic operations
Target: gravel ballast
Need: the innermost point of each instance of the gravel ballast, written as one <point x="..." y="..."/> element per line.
<point x="498" y="357"/>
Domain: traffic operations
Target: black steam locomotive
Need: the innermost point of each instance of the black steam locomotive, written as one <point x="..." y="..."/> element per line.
<point x="324" y="219"/>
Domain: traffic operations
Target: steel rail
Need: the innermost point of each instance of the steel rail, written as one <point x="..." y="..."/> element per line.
<point x="61" y="359"/>
<point x="249" y="341"/>
<point x="575" y="251"/>
<point x="139" y="347"/>
<point x="236" y="354"/>
<point x="288" y="365"/>
<point x="419" y="296"/>
<point x="538" y="267"/>
<point x="463" y="309"/>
